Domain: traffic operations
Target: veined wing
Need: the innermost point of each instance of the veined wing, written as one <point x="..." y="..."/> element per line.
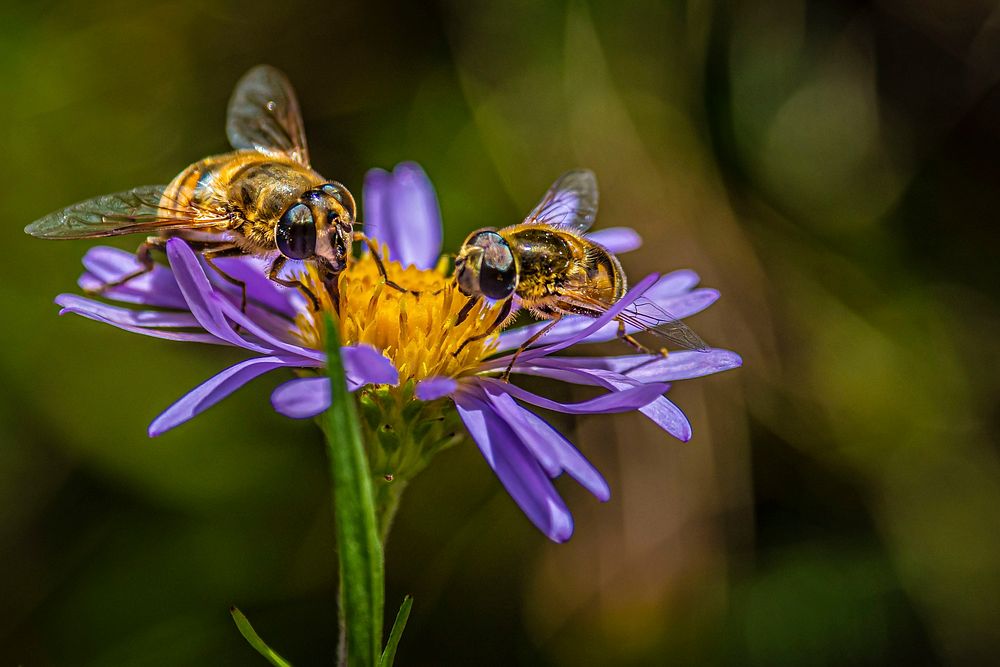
<point x="135" y="211"/>
<point x="643" y="316"/>
<point x="264" y="115"/>
<point x="647" y="317"/>
<point x="571" y="202"/>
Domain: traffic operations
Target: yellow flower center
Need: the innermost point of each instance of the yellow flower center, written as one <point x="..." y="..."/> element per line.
<point x="419" y="333"/>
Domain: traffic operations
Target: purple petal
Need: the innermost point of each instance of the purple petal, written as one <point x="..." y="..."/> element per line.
<point x="377" y="203"/>
<point x="669" y="417"/>
<point x="661" y="410"/>
<point x="109" y="263"/>
<point x="624" y="400"/>
<point x="561" y="340"/>
<point x="214" y="390"/>
<point x="673" y="284"/>
<point x="302" y="398"/>
<point x="511" y="339"/>
<point x="74" y="303"/>
<point x="167" y="334"/>
<point x="307" y="397"/>
<point x="686" y="305"/>
<point x="552" y="450"/>
<point x="678" y="307"/>
<point x="269" y="338"/>
<point x="682" y="365"/>
<point x="671" y="292"/>
<point x="363" y="364"/>
<point x="401" y="211"/>
<point x="630" y="297"/>
<point x="199" y="295"/>
<point x="518" y="471"/>
<point x="260" y="289"/>
<point x="617" y="239"/>
<point x="155" y="288"/>
<point x="435" y="387"/>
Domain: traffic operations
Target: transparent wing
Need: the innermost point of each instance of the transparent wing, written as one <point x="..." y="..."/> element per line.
<point x="646" y="317"/>
<point x="140" y="210"/>
<point x="642" y="316"/>
<point x="264" y="115"/>
<point x="570" y="203"/>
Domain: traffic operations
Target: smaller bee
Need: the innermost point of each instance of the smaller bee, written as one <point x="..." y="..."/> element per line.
<point x="555" y="271"/>
<point x="262" y="199"/>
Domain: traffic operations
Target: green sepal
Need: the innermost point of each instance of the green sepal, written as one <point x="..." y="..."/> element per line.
<point x="388" y="439"/>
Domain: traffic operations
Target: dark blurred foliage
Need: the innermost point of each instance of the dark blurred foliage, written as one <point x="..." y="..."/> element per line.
<point x="830" y="166"/>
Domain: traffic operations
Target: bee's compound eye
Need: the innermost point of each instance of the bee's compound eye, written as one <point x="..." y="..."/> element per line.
<point x="497" y="273"/>
<point x="497" y="283"/>
<point x="334" y="191"/>
<point x="342" y="195"/>
<point x="296" y="233"/>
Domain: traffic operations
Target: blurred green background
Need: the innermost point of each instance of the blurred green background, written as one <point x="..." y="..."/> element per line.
<point x="830" y="166"/>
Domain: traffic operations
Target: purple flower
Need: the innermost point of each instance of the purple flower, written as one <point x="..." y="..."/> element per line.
<point x="405" y="343"/>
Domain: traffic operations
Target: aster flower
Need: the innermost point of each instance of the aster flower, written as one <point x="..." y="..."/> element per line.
<point x="401" y="351"/>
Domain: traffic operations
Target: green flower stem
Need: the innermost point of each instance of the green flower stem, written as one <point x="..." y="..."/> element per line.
<point x="362" y="576"/>
<point x="403" y="434"/>
<point x="387" y="496"/>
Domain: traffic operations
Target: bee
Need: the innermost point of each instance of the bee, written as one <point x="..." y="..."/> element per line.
<point x="262" y="199"/>
<point x="555" y="271"/>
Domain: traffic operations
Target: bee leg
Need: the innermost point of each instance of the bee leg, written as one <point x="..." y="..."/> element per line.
<point x="466" y="309"/>
<point x="639" y="347"/>
<point x="332" y="283"/>
<point x="501" y="316"/>
<point x="526" y="344"/>
<point x="228" y="252"/>
<point x="144" y="254"/>
<point x="631" y="341"/>
<point x="373" y="249"/>
<point x="272" y="274"/>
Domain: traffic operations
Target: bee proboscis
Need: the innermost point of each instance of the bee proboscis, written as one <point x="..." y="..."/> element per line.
<point x="554" y="270"/>
<point x="262" y="199"/>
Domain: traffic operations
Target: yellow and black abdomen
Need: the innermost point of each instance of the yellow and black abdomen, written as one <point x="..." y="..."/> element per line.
<point x="605" y="276"/>
<point x="562" y="272"/>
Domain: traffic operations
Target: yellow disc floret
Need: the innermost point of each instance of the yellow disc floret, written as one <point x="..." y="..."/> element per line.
<point x="416" y="329"/>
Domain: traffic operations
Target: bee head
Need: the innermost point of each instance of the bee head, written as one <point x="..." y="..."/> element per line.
<point x="318" y="226"/>
<point x="485" y="266"/>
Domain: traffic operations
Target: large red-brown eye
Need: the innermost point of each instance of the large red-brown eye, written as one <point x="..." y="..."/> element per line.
<point x="295" y="233"/>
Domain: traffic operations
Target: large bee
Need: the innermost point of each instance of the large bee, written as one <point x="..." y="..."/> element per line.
<point x="262" y="199"/>
<point x="555" y="271"/>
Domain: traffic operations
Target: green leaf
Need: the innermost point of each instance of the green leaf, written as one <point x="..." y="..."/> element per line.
<point x="254" y="639"/>
<point x="389" y="654"/>
<point x="362" y="582"/>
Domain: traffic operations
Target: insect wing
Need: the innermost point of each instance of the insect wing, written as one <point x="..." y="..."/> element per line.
<point x="571" y="202"/>
<point x="646" y="317"/>
<point x="642" y="316"/>
<point x="264" y="115"/>
<point x="139" y="210"/>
